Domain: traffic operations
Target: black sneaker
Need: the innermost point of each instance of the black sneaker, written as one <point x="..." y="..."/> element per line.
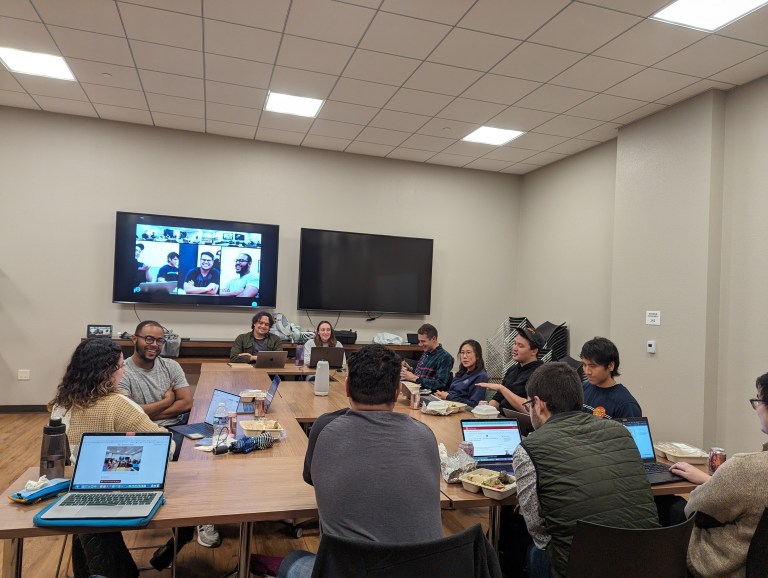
<point x="163" y="557"/>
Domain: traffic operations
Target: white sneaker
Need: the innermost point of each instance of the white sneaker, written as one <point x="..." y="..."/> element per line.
<point x="208" y="536"/>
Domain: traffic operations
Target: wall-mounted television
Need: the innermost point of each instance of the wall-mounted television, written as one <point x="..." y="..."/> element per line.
<point x="360" y="272"/>
<point x="169" y="260"/>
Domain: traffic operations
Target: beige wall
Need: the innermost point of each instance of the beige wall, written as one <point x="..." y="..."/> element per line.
<point x="64" y="177"/>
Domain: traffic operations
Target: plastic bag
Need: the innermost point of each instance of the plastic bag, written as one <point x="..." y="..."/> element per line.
<point x="172" y="344"/>
<point x="384" y="338"/>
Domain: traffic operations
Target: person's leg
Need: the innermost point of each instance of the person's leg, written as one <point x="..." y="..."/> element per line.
<point x="539" y="565"/>
<point x="163" y="556"/>
<point x="79" y="563"/>
<point x="107" y="555"/>
<point x="297" y="564"/>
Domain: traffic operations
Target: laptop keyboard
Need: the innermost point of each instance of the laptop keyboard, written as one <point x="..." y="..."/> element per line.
<point x="656" y="468"/>
<point x="130" y="499"/>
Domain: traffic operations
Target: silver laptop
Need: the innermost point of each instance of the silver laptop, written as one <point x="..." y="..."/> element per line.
<point x="523" y="420"/>
<point x="495" y="440"/>
<point x="117" y="475"/>
<point x="158" y="287"/>
<point x="205" y="428"/>
<point x="333" y="355"/>
<point x="271" y="359"/>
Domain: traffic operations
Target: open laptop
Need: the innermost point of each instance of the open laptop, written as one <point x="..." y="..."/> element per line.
<point x="158" y="287"/>
<point x="205" y="429"/>
<point x="117" y="475"/>
<point x="271" y="359"/>
<point x="495" y="441"/>
<point x="656" y="472"/>
<point x="333" y="355"/>
<point x="413" y="338"/>
<point x="523" y="420"/>
<point x="247" y="406"/>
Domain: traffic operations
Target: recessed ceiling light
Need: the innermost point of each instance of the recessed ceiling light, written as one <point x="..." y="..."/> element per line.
<point x="492" y="136"/>
<point x="35" y="63"/>
<point x="706" y="15"/>
<point x="288" y="104"/>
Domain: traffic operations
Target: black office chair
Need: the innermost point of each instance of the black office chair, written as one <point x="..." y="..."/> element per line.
<point x="757" y="555"/>
<point x="604" y="552"/>
<point x="464" y="555"/>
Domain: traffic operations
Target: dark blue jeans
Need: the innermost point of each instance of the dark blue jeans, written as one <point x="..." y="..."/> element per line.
<point x="539" y="565"/>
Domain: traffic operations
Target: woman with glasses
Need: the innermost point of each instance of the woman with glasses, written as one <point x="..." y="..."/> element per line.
<point x="728" y="504"/>
<point x="471" y="371"/>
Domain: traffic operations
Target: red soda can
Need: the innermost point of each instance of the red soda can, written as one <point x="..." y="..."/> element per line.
<point x="716" y="459"/>
<point x="468" y="448"/>
<point x="415" y="400"/>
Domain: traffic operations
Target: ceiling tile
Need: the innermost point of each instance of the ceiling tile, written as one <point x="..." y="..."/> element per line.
<point x="346" y="112"/>
<point x="745" y="71"/>
<point x="512" y="18"/>
<point x="407" y="154"/>
<point x="183" y="6"/>
<point x="606" y="107"/>
<point x="233" y="114"/>
<point x="638" y="7"/>
<point x="443" y="11"/>
<point x="325" y="142"/>
<point x="643" y="111"/>
<point x="167" y="59"/>
<point x="8" y="82"/>
<point x="475" y="111"/>
<point x="500" y="89"/>
<point x="378" y="67"/>
<point x="544" y="158"/>
<point x="442" y="79"/>
<point x="564" y="125"/>
<point x="520" y="169"/>
<point x="229" y="129"/>
<point x="573" y="146"/>
<point x="428" y="143"/>
<point x="469" y="149"/>
<point x="106" y="74"/>
<point x="361" y="92"/>
<point x="515" y="118"/>
<point x="710" y="56"/>
<point x="554" y="98"/>
<point x="313" y="55"/>
<point x="535" y="141"/>
<point x="287" y="122"/>
<point x="233" y="94"/>
<point x="403" y="36"/>
<point x="241" y="41"/>
<point x="18" y="9"/>
<point x="399" y="120"/>
<point x="596" y="74"/>
<point x="267" y="14"/>
<point x="172" y="84"/>
<point x="332" y="128"/>
<point x="118" y="113"/>
<point x="53" y="87"/>
<point x="79" y="44"/>
<point x="371" y="149"/>
<point x="470" y="49"/>
<point x="450" y="160"/>
<point x="693" y="90"/>
<point x="382" y="136"/>
<point x="162" y="27"/>
<point x="604" y="132"/>
<point x="301" y="82"/>
<point x="24" y="35"/>
<point x="487" y="165"/>
<point x="115" y="96"/>
<point x="418" y="102"/>
<point x="649" y="42"/>
<point x="93" y="15"/>
<point x="177" y="122"/>
<point x="237" y="71"/>
<point x="176" y="105"/>
<point x="751" y="29"/>
<point x="65" y="106"/>
<point x="536" y="62"/>
<point x="444" y="128"/>
<point x="365" y="3"/>
<point x="651" y="84"/>
<point x="583" y="28"/>
<point x="18" y="99"/>
<point x="328" y="21"/>
<point x="281" y="136"/>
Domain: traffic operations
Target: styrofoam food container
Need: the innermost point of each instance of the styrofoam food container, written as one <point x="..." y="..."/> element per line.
<point x="495" y="494"/>
<point x="485" y="411"/>
<point x="472" y="481"/>
<point x="681" y="452"/>
<point x="252" y="428"/>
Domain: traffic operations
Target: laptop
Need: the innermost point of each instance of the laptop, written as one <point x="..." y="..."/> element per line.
<point x="413" y="338"/>
<point x="117" y="475"/>
<point x="656" y="472"/>
<point x="333" y="355"/>
<point x="205" y="429"/>
<point x="247" y="406"/>
<point x="495" y="441"/>
<point x="523" y="420"/>
<point x="271" y="359"/>
<point x="158" y="287"/>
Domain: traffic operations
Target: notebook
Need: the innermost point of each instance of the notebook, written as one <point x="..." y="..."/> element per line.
<point x="523" y="420"/>
<point x="333" y="355"/>
<point x="158" y="287"/>
<point x="271" y="359"/>
<point x="117" y="475"/>
<point x="495" y="441"/>
<point x="247" y="406"/>
<point x="657" y="473"/>
<point x="230" y="401"/>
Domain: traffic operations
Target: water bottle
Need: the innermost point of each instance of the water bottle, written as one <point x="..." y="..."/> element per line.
<point x="299" y="359"/>
<point x="54" y="453"/>
<point x="220" y="424"/>
<point x="321" y="378"/>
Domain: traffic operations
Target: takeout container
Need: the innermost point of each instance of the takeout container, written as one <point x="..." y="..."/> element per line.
<point x="485" y="411"/>
<point x="252" y="428"/>
<point x="442" y="407"/>
<point x="681" y="452"/>
<point x="474" y="482"/>
<point x="248" y="395"/>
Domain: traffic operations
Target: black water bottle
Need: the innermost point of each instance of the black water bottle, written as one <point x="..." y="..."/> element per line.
<point x="54" y="453"/>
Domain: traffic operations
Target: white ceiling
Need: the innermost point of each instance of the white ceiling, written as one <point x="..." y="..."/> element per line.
<point x="405" y="79"/>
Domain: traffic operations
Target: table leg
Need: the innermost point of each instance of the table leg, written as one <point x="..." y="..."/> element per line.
<point x="175" y="547"/>
<point x="243" y="570"/>
<point x="13" y="550"/>
<point x="494" y="524"/>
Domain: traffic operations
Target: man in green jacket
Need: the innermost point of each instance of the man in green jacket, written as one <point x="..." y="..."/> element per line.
<point x="247" y="345"/>
<point x="574" y="466"/>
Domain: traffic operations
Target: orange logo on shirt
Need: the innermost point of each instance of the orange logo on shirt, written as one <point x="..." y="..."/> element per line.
<point x="599" y="411"/>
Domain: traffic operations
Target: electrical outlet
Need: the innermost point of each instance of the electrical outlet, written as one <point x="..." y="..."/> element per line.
<point x="23" y="375"/>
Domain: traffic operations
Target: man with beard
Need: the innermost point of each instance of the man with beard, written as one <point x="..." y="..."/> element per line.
<point x="205" y="280"/>
<point x="246" y="284"/>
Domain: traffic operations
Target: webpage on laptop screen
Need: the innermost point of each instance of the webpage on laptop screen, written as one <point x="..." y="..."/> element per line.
<point x="642" y="436"/>
<point x="121" y="462"/>
<point x="492" y="438"/>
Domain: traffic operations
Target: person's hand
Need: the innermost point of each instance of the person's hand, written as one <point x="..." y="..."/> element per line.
<point x="243" y="354"/>
<point x="689" y="472"/>
<point x="408" y="375"/>
<point x="404" y="365"/>
<point x="492" y="386"/>
<point x="442" y="394"/>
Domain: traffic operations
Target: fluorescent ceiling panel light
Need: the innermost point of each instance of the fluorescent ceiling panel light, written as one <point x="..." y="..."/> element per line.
<point x="706" y="15"/>
<point x="35" y="63"/>
<point x="492" y="136"/>
<point x="287" y="104"/>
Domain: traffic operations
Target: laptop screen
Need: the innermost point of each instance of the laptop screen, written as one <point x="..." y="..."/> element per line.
<point x="272" y="390"/>
<point x="641" y="433"/>
<point x="494" y="439"/>
<point x="122" y="461"/>
<point x="230" y="401"/>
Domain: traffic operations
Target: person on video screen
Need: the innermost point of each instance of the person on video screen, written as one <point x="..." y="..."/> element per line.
<point x="142" y="270"/>
<point x="246" y="284"/>
<point x="204" y="280"/>
<point x="170" y="272"/>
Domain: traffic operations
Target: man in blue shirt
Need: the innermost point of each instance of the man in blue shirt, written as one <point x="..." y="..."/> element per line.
<point x="433" y="370"/>
<point x="603" y="397"/>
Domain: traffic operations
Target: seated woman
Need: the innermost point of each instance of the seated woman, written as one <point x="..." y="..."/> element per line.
<point x="247" y="345"/>
<point x="88" y="401"/>
<point x="729" y="504"/>
<point x="470" y="372"/>
<point x="324" y="337"/>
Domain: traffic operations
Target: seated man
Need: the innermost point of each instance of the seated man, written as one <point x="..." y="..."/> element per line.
<point x="353" y="451"/>
<point x="246" y="284"/>
<point x="572" y="450"/>
<point x="204" y="280"/>
<point x="433" y="371"/>
<point x="169" y="271"/>
<point x="247" y="345"/>
<point x="604" y="397"/>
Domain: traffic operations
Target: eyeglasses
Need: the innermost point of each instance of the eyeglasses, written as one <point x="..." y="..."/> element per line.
<point x="754" y="402"/>
<point x="527" y="406"/>
<point x="241" y="260"/>
<point x="466" y="352"/>
<point x="149" y="340"/>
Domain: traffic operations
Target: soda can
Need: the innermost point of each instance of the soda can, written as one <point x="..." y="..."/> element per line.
<point x="415" y="400"/>
<point x="259" y="404"/>
<point x="716" y="459"/>
<point x="468" y="447"/>
<point x="232" y="422"/>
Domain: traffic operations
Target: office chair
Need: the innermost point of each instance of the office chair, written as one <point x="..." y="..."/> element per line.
<point x="757" y="555"/>
<point x="602" y="551"/>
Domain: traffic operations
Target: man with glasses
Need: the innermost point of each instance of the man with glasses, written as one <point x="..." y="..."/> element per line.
<point x="205" y="280"/>
<point x="246" y="284"/>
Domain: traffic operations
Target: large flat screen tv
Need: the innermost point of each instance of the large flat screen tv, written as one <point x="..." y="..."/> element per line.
<point x="359" y="272"/>
<point x="180" y="260"/>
